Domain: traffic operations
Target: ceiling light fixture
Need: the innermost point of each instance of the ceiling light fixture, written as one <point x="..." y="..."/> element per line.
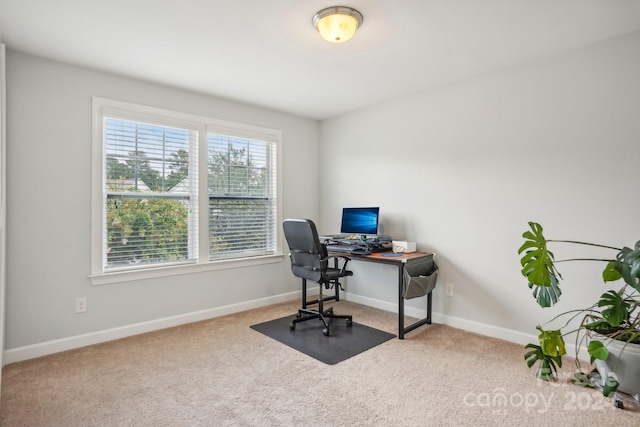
<point x="337" y="24"/>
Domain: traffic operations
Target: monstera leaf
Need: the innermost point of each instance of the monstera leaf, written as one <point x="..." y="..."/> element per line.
<point x="610" y="385"/>
<point x="546" y="295"/>
<point x="551" y="342"/>
<point x="611" y="316"/>
<point x="549" y="365"/>
<point x="597" y="350"/>
<point x="616" y="308"/>
<point x="611" y="273"/>
<point x="628" y="264"/>
<point x="538" y="268"/>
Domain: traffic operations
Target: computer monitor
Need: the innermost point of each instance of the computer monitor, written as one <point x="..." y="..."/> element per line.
<point x="360" y="220"/>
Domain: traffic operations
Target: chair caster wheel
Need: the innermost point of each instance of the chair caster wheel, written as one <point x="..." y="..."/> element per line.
<point x="325" y="331"/>
<point x="298" y="316"/>
<point x="292" y="326"/>
<point x="349" y="322"/>
<point x="619" y="404"/>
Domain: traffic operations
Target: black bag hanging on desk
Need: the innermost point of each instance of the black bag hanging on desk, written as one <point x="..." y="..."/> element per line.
<point x="419" y="277"/>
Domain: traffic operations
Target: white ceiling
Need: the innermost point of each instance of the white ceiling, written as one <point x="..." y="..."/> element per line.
<point x="266" y="52"/>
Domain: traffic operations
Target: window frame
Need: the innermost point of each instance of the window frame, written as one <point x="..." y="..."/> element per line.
<point x="102" y="107"/>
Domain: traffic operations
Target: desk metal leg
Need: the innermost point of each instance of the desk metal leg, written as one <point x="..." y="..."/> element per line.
<point x="400" y="303"/>
<point x="426" y="321"/>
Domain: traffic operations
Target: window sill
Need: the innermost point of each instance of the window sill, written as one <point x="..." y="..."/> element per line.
<point x="177" y="270"/>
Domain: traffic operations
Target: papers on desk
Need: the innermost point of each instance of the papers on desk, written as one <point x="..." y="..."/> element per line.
<point x="359" y="245"/>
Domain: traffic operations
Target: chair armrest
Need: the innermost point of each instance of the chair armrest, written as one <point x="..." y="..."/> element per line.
<point x="346" y="259"/>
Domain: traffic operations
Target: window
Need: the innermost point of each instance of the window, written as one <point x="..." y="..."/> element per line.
<point x="180" y="191"/>
<point x="241" y="197"/>
<point x="150" y="209"/>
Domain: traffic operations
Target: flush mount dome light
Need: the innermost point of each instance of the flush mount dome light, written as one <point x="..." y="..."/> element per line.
<point x="337" y="24"/>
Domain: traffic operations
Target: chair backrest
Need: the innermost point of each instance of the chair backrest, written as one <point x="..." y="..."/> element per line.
<point x="308" y="255"/>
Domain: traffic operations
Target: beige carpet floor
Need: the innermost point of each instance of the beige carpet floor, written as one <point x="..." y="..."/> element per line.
<point x="221" y="372"/>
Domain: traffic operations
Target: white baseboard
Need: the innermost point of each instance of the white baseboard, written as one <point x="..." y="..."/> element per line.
<point x="444" y="319"/>
<point x="493" y="331"/>
<point x="70" y="343"/>
<point x="64" y="344"/>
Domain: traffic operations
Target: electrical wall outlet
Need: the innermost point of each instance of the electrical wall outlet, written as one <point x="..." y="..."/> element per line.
<point x="81" y="305"/>
<point x="448" y="289"/>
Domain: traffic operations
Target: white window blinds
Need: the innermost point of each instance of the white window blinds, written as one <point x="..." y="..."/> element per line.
<point x="242" y="197"/>
<point x="150" y="190"/>
<point x="185" y="192"/>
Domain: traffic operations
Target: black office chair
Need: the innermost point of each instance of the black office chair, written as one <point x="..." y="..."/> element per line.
<point x="310" y="261"/>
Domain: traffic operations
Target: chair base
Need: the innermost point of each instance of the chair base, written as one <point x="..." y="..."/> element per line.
<point x="325" y="316"/>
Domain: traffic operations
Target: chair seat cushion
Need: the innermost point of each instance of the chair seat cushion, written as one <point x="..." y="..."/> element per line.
<point x="334" y="273"/>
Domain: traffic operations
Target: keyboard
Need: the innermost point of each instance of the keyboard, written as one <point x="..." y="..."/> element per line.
<point x="356" y="249"/>
<point x="348" y="249"/>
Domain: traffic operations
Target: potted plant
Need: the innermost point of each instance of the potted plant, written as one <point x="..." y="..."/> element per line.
<point x="610" y="327"/>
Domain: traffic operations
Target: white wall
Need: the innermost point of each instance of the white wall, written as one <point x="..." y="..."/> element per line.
<point x="3" y="251"/>
<point x="463" y="168"/>
<point x="460" y="170"/>
<point x="49" y="202"/>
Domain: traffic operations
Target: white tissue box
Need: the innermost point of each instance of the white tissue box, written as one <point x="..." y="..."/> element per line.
<point x="403" y="247"/>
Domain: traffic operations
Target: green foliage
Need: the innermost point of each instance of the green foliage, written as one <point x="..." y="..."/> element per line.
<point x="549" y="353"/>
<point x="617" y="309"/>
<point x="239" y="194"/>
<point x="551" y="342"/>
<point x="139" y="167"/>
<point x="615" y="314"/>
<point x="628" y="264"/>
<point x="117" y="170"/>
<point x="146" y="230"/>
<point x="597" y="350"/>
<point x="179" y="167"/>
<point x="537" y="262"/>
<point x="610" y="385"/>
<point x="546" y="295"/>
<point x="610" y="273"/>
<point x="583" y="379"/>
<point x="232" y="171"/>
<point x="538" y="267"/>
<point x="597" y="325"/>
<point x="548" y="367"/>
<point x="150" y="229"/>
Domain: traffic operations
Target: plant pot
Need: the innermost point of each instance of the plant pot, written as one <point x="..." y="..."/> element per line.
<point x="626" y="366"/>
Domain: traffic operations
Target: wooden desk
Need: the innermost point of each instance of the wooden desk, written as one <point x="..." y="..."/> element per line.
<point x="397" y="261"/>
